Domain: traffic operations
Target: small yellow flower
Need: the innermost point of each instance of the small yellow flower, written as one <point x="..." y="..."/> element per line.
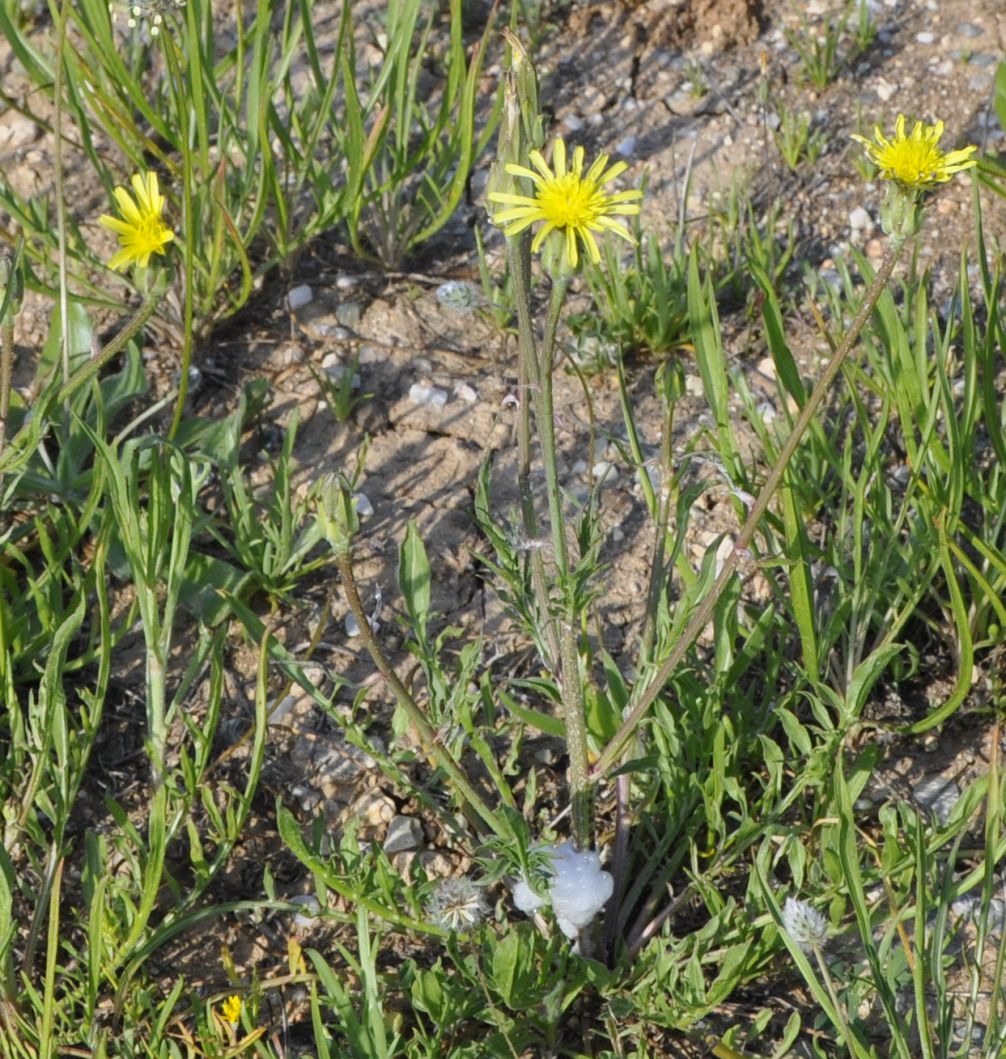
<point x="915" y="162"/>
<point x="568" y="201"/>
<point x="141" y="232"/>
<point x="230" y="1009"/>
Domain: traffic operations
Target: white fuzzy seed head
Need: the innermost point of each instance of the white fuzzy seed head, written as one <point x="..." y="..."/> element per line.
<point x="805" y="926"/>
<point x="457" y="904"/>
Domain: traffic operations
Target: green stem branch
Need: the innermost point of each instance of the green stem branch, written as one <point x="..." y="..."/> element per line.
<point x="429" y="738"/>
<point x="704" y="610"/>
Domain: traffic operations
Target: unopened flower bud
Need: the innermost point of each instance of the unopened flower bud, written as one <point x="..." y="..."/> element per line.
<point x="521" y="125"/>
<point x="337" y="512"/>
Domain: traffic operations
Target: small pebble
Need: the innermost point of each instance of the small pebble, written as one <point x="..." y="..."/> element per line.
<point x="831" y="277"/>
<point x="572" y="123"/>
<point x="457" y="295"/>
<point x="404" y="833"/>
<point x="307" y="798"/>
<point x="349" y="313"/>
<point x="352" y="626"/>
<point x="345" y="282"/>
<point x="427" y="395"/>
<point x="465" y="392"/>
<point x="298" y="297"/>
<point x="627" y="147"/>
<point x="969" y="29"/>
<point x="766" y="367"/>
<point x="479" y="184"/>
<point x="304" y="921"/>
<point x="925" y="37"/>
<point x="364" y="508"/>
<point x="334" y="367"/>
<point x="859" y="219"/>
<point x="281" y="709"/>
<point x="766" y="411"/>
<point x="604" y="471"/>
<point x="885" y="90"/>
<point x="937" y="794"/>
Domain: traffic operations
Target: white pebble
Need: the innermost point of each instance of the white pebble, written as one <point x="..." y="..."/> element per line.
<point x="859" y="219"/>
<point x="766" y="411"/>
<point x="352" y="626"/>
<point x="304" y="921"/>
<point x="364" y="508"/>
<point x="627" y="147"/>
<point x="572" y="123"/>
<point x="939" y="795"/>
<point x="345" y="282"/>
<point x="885" y="90"/>
<point x="465" y="392"/>
<point x="427" y="395"/>
<point x="298" y="297"/>
<point x="604" y="471"/>
<point x="693" y="386"/>
<point x="925" y="37"/>
<point x="334" y="367"/>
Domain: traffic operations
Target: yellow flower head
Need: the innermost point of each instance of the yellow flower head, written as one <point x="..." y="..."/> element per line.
<point x="141" y="231"/>
<point x="915" y="162"/>
<point x="230" y="1009"/>
<point x="568" y="201"/>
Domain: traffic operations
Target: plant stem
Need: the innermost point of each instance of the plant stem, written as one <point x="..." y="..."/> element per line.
<point x="135" y="322"/>
<point x="6" y="368"/>
<point x="188" y="221"/>
<point x="843" y="1025"/>
<point x="528" y="382"/>
<point x="704" y="610"/>
<point x="430" y="740"/>
<point x="571" y="687"/>
<point x="57" y="146"/>
<point x="545" y="418"/>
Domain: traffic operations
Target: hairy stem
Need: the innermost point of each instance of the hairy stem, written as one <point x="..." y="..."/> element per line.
<point x="571" y="687"/>
<point x="528" y="382"/>
<point x="430" y="740"/>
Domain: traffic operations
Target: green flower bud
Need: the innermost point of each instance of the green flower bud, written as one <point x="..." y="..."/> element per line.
<point x="336" y="514"/>
<point x="900" y="213"/>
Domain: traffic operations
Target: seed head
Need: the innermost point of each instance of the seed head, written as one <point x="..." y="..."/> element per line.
<point x="457" y="904"/>
<point x="805" y="926"/>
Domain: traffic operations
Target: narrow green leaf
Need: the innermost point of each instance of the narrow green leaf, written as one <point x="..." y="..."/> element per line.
<point x="414" y="579"/>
